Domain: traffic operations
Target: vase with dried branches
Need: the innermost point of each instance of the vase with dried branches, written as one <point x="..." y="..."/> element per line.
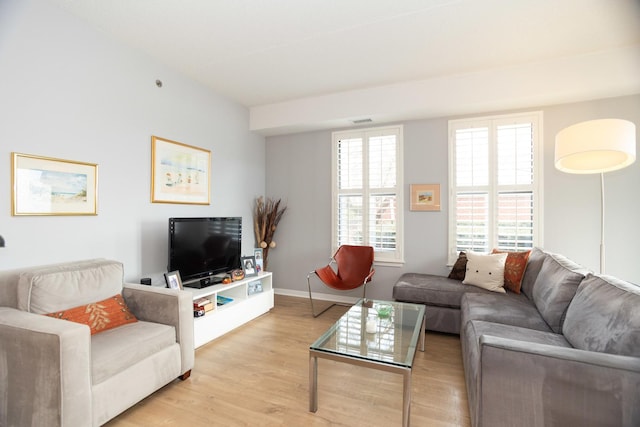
<point x="266" y="216"/>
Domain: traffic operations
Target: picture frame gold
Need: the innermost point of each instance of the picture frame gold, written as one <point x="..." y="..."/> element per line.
<point x="425" y="197"/>
<point x="50" y="186"/>
<point x="180" y="173"/>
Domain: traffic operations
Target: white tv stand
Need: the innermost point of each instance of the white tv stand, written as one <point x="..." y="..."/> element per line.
<point x="243" y="308"/>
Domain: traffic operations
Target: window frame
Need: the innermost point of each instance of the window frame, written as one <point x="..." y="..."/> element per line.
<point x="391" y="258"/>
<point x="493" y="189"/>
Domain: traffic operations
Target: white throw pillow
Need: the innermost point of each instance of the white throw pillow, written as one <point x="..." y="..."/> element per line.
<point x="485" y="271"/>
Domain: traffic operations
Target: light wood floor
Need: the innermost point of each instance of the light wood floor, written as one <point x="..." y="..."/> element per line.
<point x="258" y="375"/>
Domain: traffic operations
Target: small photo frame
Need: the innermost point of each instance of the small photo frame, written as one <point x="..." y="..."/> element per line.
<point x="173" y="280"/>
<point x="249" y="266"/>
<point x="425" y="197"/>
<point x="257" y="253"/>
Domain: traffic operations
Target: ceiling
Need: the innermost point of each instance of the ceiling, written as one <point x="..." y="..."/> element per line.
<point x="265" y="54"/>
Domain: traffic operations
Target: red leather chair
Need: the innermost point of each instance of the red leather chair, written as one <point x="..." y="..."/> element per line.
<point x="354" y="268"/>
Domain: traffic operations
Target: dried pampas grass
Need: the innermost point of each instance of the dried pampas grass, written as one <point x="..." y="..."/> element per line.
<point x="266" y="216"/>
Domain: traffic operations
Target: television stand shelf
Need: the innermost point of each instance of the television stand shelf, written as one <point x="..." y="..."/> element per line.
<point x="243" y="308"/>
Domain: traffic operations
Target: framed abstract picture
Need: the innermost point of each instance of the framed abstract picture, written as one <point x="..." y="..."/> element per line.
<point x="180" y="173"/>
<point x="49" y="186"/>
<point x="425" y="197"/>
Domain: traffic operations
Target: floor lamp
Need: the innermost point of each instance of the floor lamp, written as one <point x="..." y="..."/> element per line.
<point x="596" y="146"/>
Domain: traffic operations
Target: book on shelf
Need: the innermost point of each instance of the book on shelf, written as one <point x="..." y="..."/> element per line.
<point x="201" y="302"/>
<point x="220" y="300"/>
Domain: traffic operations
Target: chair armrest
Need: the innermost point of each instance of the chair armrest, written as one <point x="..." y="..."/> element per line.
<point x="370" y="275"/>
<point x="546" y="384"/>
<point x="45" y="370"/>
<point x="167" y="306"/>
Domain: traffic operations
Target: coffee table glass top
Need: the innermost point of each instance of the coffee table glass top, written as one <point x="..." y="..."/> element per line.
<point x="388" y="332"/>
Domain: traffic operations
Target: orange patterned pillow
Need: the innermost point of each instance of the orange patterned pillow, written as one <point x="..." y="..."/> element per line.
<point x="514" y="269"/>
<point x="99" y="316"/>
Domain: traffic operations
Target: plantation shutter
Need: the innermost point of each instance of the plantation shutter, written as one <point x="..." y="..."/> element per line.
<point x="515" y="164"/>
<point x="493" y="184"/>
<point x="367" y="194"/>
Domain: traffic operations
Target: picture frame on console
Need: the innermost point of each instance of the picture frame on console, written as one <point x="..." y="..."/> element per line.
<point x="180" y="173"/>
<point x="50" y="186"/>
<point x="257" y="253"/>
<point x="249" y="266"/>
<point x="425" y="197"/>
<point x="173" y="280"/>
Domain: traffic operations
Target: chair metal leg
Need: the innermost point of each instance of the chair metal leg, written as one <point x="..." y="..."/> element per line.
<point x="311" y="298"/>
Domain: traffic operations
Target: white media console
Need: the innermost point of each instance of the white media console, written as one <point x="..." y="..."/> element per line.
<point x="243" y="308"/>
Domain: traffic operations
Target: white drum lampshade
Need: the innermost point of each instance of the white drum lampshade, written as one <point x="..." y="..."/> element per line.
<point x="596" y="146"/>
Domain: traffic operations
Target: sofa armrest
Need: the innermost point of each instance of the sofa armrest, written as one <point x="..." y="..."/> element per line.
<point x="169" y="307"/>
<point x="45" y="370"/>
<point x="539" y="385"/>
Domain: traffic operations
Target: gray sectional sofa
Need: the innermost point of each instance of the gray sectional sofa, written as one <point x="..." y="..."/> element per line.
<point x="563" y="352"/>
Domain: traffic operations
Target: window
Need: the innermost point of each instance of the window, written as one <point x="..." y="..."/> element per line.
<point x="495" y="196"/>
<point x="367" y="197"/>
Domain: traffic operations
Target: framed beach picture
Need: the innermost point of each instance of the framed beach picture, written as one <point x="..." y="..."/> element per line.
<point x="425" y="197"/>
<point x="180" y="173"/>
<point x="49" y="186"/>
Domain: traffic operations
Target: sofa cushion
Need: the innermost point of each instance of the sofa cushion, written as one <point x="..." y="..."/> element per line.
<point x="432" y="290"/>
<point x="554" y="288"/>
<point x="485" y="271"/>
<point x="114" y="350"/>
<point x="509" y="309"/>
<point x="99" y="316"/>
<point x="604" y="316"/>
<point x="534" y="264"/>
<point x="56" y="288"/>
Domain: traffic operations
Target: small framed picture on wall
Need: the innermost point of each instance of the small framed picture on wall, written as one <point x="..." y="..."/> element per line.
<point x="425" y="197"/>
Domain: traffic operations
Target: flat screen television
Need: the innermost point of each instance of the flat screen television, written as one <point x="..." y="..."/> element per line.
<point x="201" y="248"/>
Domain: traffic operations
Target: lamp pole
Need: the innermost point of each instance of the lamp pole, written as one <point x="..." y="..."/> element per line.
<point x="602" y="256"/>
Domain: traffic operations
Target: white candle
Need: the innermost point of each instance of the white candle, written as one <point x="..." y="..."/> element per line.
<point x="371" y="326"/>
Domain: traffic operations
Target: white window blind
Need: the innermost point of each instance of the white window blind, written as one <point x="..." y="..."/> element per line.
<point x="366" y="190"/>
<point x="494" y="184"/>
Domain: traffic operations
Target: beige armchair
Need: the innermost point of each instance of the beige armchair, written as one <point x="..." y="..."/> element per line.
<point x="55" y="372"/>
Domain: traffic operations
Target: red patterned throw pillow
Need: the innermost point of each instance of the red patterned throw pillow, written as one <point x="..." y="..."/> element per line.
<point x="99" y="316"/>
<point x="514" y="269"/>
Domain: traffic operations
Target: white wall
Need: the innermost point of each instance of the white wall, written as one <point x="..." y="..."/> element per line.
<point x="299" y="168"/>
<point x="67" y="91"/>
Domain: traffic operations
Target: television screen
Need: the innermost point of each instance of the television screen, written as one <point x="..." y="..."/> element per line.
<point x="203" y="247"/>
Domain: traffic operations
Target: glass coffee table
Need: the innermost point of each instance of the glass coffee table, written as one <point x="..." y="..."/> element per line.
<point x="381" y="335"/>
